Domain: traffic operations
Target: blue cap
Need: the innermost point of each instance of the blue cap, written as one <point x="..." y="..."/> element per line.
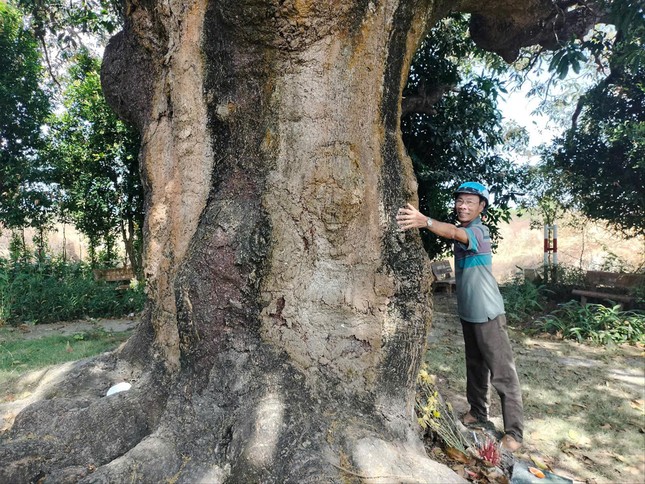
<point x="473" y="188"/>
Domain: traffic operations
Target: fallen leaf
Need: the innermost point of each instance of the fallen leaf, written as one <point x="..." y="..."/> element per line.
<point x="458" y="455"/>
<point x="638" y="404"/>
<point x="539" y="462"/>
<point x="537" y="472"/>
<point x="568" y="448"/>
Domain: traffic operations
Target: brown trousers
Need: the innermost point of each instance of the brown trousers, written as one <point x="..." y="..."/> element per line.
<point x="489" y="360"/>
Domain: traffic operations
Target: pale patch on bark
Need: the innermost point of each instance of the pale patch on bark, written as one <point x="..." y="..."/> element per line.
<point x="178" y="164"/>
<point x="326" y="296"/>
<point x="269" y="419"/>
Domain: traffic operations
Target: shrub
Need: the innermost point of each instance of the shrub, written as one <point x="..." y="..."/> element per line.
<point x="596" y="323"/>
<point x="568" y="277"/>
<point x="523" y="299"/>
<point x="56" y="290"/>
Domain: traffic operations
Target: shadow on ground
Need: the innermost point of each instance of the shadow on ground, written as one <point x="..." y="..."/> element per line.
<point x="584" y="405"/>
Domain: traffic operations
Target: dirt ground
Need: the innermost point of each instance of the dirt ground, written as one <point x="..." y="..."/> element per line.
<point x="31" y="331"/>
<point x="584" y="405"/>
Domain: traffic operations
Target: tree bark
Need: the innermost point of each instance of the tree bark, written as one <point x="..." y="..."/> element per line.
<point x="287" y="315"/>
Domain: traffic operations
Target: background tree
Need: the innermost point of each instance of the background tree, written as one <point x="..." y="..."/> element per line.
<point x="602" y="158"/>
<point x="287" y="314"/>
<point x="597" y="163"/>
<point x="24" y="198"/>
<point x="452" y="126"/>
<point x="96" y="166"/>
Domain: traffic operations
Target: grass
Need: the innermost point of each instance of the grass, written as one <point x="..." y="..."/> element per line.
<point x="19" y="356"/>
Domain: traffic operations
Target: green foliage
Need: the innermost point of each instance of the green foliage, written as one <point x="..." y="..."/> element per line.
<point x="549" y="202"/>
<point x="523" y="299"/>
<point x="629" y="49"/>
<point x="569" y="56"/>
<point x="595" y="323"/>
<point x="461" y="137"/>
<point x="65" y="25"/>
<point x="602" y="160"/>
<point x="613" y="263"/>
<point x="55" y="290"/>
<point x="569" y="275"/>
<point x="85" y="170"/>
<point x="597" y="167"/>
<point x="560" y="280"/>
<point x="24" y="200"/>
<point x="95" y="161"/>
<point x="615" y="44"/>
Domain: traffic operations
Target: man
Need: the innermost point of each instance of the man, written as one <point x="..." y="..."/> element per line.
<point x="489" y="358"/>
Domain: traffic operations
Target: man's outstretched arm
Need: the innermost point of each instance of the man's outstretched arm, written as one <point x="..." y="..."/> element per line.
<point x="410" y="218"/>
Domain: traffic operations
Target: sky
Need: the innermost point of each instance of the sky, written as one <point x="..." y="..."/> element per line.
<point x="518" y="107"/>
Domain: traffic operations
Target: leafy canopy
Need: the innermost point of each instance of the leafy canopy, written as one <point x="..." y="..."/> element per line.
<point x="95" y="159"/>
<point x="67" y="26"/>
<point x="24" y="105"/>
<point x="601" y="158"/>
<point x="461" y="137"/>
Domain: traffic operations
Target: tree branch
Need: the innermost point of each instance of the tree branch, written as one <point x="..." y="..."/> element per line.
<point x="576" y="114"/>
<point x="50" y="69"/>
<point x="546" y="24"/>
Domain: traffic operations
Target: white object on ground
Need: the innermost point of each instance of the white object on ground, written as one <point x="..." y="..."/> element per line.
<point x="119" y="387"/>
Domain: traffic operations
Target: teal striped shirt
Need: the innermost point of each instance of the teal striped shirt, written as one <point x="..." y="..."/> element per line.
<point x="478" y="296"/>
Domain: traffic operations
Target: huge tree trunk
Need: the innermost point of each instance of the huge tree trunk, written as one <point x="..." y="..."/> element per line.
<point x="287" y="315"/>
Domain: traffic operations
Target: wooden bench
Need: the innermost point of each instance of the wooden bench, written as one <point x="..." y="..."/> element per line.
<point x="443" y="277"/>
<point x="609" y="286"/>
<point x="117" y="274"/>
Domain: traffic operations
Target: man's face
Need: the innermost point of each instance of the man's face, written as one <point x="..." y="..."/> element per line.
<point x="468" y="207"/>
